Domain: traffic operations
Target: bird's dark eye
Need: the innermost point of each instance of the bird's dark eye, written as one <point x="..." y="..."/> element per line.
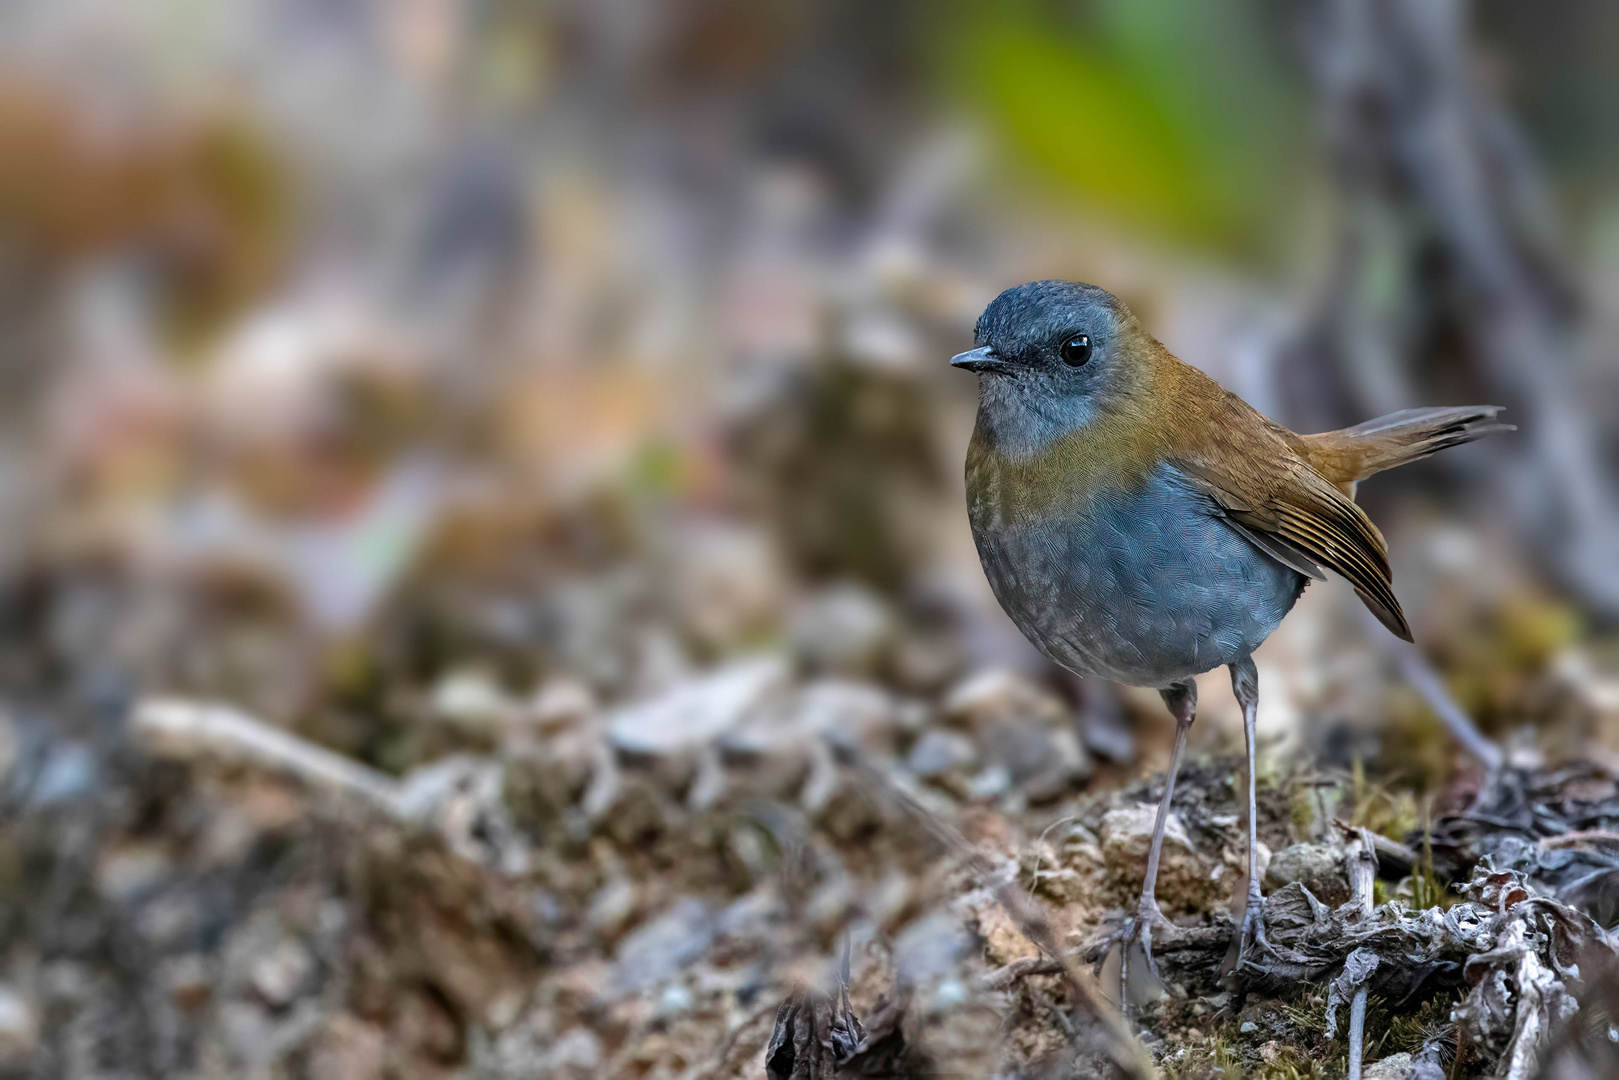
<point x="1076" y="350"/>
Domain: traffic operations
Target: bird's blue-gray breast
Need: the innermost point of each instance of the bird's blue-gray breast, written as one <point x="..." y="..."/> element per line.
<point x="1146" y="586"/>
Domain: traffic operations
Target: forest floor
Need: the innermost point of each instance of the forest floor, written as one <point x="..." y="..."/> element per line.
<point x="774" y="866"/>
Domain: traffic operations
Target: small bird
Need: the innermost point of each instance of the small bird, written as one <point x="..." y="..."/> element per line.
<point x="1140" y="523"/>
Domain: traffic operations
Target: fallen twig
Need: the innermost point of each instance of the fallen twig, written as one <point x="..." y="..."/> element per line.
<point x="1167" y="940"/>
<point x="1583" y="836"/>
<point x="1002" y="977"/>
<point x="195" y="730"/>
<point x="1362" y="866"/>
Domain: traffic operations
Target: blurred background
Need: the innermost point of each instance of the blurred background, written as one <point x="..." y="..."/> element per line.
<point x="543" y="408"/>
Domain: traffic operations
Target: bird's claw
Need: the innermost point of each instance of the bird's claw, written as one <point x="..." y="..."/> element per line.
<point x="1251" y="940"/>
<point x="1136" y="929"/>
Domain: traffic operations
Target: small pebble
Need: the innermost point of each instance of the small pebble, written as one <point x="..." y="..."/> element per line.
<point x="937" y="753"/>
<point x="282" y="973"/>
<point x="19" y="1027"/>
<point x="189" y="981"/>
<point x="1248" y="1027"/>
<point x="991" y="782"/>
<point x="675" y="1000"/>
<point x="471" y="699"/>
<point x="951" y="993"/>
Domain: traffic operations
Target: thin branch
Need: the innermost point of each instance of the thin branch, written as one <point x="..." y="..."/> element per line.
<point x="1362" y="866"/>
<point x="1582" y="836"/>
<point x="194" y="731"/>
<point x="1414" y="666"/>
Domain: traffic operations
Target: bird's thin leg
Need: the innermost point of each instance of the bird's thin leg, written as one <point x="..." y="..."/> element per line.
<point x="1182" y="701"/>
<point x="1245" y="684"/>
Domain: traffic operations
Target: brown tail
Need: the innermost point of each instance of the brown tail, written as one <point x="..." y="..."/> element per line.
<point x="1355" y="453"/>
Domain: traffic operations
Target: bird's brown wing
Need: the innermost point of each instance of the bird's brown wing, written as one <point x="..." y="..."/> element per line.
<point x="1249" y="466"/>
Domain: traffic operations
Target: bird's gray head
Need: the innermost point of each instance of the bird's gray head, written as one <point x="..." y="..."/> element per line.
<point x="1050" y="355"/>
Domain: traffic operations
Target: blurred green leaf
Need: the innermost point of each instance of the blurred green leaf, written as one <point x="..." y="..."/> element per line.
<point x="1171" y="114"/>
<point x="1083" y="117"/>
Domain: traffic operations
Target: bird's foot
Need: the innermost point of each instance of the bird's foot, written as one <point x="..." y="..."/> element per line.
<point x="1251" y="943"/>
<point x="1135" y="934"/>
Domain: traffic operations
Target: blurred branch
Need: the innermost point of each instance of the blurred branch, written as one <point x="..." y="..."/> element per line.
<point x="192" y="731"/>
<point x="1416" y="670"/>
<point x="1422" y="153"/>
